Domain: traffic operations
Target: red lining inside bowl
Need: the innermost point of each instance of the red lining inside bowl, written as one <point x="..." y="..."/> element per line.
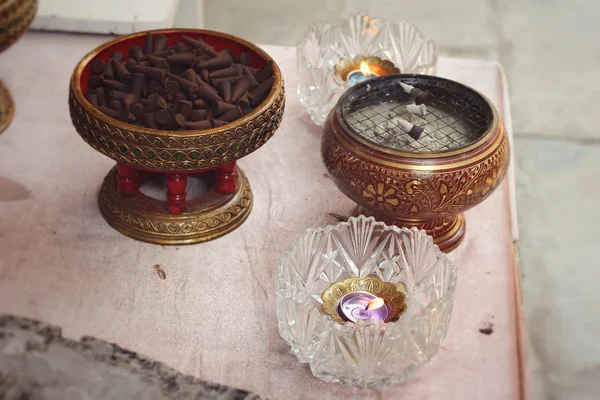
<point x="218" y="43"/>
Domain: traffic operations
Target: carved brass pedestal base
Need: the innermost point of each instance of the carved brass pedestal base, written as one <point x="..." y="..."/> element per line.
<point x="7" y="107"/>
<point x="447" y="232"/>
<point x="144" y="218"/>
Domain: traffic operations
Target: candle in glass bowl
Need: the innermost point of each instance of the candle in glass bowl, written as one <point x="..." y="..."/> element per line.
<point x="364" y="73"/>
<point x="357" y="306"/>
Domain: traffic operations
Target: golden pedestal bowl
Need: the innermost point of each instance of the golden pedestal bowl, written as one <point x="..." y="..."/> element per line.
<point x="15" y="18"/>
<point x="456" y="163"/>
<point x="143" y="154"/>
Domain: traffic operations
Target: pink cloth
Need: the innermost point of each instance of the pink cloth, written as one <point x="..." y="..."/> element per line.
<point x="214" y="314"/>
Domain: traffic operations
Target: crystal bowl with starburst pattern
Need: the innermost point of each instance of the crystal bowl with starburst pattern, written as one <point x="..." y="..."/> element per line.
<point x="328" y="49"/>
<point x="367" y="353"/>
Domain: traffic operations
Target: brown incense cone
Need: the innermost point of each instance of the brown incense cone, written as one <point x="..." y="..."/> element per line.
<point x="138" y="111"/>
<point x="129" y="99"/>
<point x="158" y="62"/>
<point x="122" y="74"/>
<point x="239" y="89"/>
<point x="171" y="87"/>
<point x="184" y="84"/>
<point x="243" y="102"/>
<point x="180" y="48"/>
<point x="116" y="105"/>
<point x="244" y="59"/>
<point x="184" y="108"/>
<point x="115" y="85"/>
<point x="232" y="115"/>
<point x="92" y="98"/>
<point x="148" y="43"/>
<point x="197" y="115"/>
<point x="204" y="75"/>
<point x="137" y="84"/>
<point x="265" y="72"/>
<point x="136" y="53"/>
<point x="95" y="81"/>
<point x="149" y="121"/>
<point x="201" y="103"/>
<point x="117" y="56"/>
<point x="183" y="59"/>
<point x="220" y="108"/>
<point x="230" y="79"/>
<point x="203" y="92"/>
<point x="156" y="104"/>
<point x="116" y="94"/>
<point x="216" y="123"/>
<point x="125" y="114"/>
<point x="222" y="73"/>
<point x="190" y="75"/>
<point x="198" y="125"/>
<point x="176" y="99"/>
<point x="108" y="73"/>
<point x="160" y="43"/>
<point x="159" y="54"/>
<point x="421" y="97"/>
<point x="162" y="117"/>
<point x="149" y="72"/>
<point x="154" y="87"/>
<point x="101" y="94"/>
<point x="220" y="62"/>
<point x="194" y="43"/>
<point x="110" y="112"/>
<point x="246" y="71"/>
<point x="259" y="93"/>
<point x="224" y="88"/>
<point x="97" y="66"/>
<point x="226" y="52"/>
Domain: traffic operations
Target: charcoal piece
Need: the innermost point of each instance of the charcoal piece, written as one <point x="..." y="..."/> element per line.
<point x="198" y="125"/>
<point x="136" y="53"/>
<point x="232" y="115"/>
<point x="224" y="88"/>
<point x="421" y="97"/>
<point x="115" y="85"/>
<point x="225" y="72"/>
<point x="259" y="93"/>
<point x="265" y="72"/>
<point x="197" y="115"/>
<point x="220" y="62"/>
<point x="160" y="43"/>
<point x="148" y="43"/>
<point x="183" y="59"/>
<point x="219" y="108"/>
<point x="97" y="66"/>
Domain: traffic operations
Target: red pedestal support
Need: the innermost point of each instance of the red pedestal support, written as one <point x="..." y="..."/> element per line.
<point x="127" y="180"/>
<point x="226" y="179"/>
<point x="176" y="193"/>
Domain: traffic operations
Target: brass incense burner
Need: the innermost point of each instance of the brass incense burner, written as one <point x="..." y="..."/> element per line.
<point x="457" y="161"/>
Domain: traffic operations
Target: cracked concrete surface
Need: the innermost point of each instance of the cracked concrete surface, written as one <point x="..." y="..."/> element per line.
<point x="548" y="50"/>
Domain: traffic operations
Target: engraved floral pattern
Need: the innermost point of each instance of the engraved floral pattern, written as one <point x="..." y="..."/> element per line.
<point x="381" y="196"/>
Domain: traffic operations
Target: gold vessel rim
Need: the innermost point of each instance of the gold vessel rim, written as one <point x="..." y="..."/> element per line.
<point x="77" y="72"/>
<point x="421" y="155"/>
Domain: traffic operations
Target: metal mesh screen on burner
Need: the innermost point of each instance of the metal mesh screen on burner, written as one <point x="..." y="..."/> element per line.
<point x="456" y="116"/>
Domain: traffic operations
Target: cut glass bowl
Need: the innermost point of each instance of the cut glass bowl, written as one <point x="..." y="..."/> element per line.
<point x="327" y="45"/>
<point x="365" y="354"/>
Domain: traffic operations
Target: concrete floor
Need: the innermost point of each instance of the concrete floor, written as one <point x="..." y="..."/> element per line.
<point x="551" y="59"/>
